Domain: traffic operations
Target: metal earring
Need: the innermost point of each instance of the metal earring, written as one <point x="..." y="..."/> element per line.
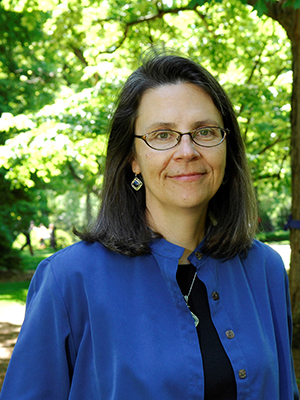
<point x="136" y="183"/>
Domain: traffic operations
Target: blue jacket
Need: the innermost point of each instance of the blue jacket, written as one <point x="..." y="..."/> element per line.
<point x="104" y="326"/>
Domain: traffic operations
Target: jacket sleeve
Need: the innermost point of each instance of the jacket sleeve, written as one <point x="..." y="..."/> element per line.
<point x="41" y="363"/>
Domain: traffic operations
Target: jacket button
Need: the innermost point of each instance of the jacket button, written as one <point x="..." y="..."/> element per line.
<point x="198" y="255"/>
<point x="242" y="373"/>
<point x="215" y="295"/>
<point x="230" y="334"/>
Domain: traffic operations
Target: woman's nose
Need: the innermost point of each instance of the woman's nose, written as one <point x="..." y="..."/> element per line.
<point x="186" y="148"/>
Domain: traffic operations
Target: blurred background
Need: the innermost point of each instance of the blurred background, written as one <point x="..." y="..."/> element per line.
<point x="62" y="64"/>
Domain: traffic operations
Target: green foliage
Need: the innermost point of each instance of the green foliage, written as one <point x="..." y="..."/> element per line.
<point x="29" y="262"/>
<point x="278" y="236"/>
<point x="292" y="3"/>
<point x="69" y="209"/>
<point x="261" y="7"/>
<point x="63" y="239"/>
<point x="18" y="207"/>
<point x="28" y="73"/>
<point x="84" y="50"/>
<point x="10" y="258"/>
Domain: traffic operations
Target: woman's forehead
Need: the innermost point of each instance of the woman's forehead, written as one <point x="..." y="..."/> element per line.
<point x="166" y="106"/>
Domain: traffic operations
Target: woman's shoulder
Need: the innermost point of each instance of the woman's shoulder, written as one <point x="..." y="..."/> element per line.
<point x="79" y="249"/>
<point x="78" y="259"/>
<point x="261" y="249"/>
<point x="77" y="252"/>
<point x="263" y="257"/>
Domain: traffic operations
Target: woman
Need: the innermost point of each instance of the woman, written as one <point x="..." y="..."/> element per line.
<point x="167" y="296"/>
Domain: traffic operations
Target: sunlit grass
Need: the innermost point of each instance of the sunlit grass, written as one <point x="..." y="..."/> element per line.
<point x="30" y="262"/>
<point x="16" y="292"/>
<point x="13" y="291"/>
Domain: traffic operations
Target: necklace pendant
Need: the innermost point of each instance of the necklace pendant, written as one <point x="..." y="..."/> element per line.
<point x="186" y="298"/>
<point x="196" y="319"/>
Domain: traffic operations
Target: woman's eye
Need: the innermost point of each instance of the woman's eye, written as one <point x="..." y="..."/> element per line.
<point x="205" y="132"/>
<point x="163" y="135"/>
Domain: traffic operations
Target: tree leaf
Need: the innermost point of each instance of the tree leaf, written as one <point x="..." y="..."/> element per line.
<point x="193" y="3"/>
<point x="261" y="8"/>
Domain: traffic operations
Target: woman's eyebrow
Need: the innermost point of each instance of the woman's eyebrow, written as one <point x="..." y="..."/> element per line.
<point x="206" y="122"/>
<point x="161" y="125"/>
<point x="172" y="125"/>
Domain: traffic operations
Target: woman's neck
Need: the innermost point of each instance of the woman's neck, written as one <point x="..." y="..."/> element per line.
<point x="185" y="229"/>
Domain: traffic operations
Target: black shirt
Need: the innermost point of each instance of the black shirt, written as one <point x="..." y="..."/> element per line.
<point x="218" y="373"/>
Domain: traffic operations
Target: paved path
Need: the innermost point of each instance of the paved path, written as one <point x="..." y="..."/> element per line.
<point x="285" y="251"/>
<point x="12" y="313"/>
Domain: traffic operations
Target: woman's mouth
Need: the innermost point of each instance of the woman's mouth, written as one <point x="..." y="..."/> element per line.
<point x="188" y="177"/>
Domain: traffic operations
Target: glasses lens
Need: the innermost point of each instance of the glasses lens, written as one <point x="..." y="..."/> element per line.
<point x="162" y="139"/>
<point x="208" y="136"/>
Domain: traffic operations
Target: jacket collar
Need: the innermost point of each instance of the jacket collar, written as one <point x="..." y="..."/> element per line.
<point x="169" y="250"/>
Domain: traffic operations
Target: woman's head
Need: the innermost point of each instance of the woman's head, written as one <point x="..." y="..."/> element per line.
<point x="123" y="210"/>
<point x="181" y="175"/>
<point x="158" y="70"/>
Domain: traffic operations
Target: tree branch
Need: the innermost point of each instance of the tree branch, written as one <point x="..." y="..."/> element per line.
<point x="276" y="175"/>
<point x="277" y="75"/>
<point x="76" y="177"/>
<point x="268" y="176"/>
<point x="146" y="18"/>
<point x="202" y="17"/>
<point x="79" y="54"/>
<point x="256" y="63"/>
<point x="270" y="145"/>
<point x="150" y="35"/>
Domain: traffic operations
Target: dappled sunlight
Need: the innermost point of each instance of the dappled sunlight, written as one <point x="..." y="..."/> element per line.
<point x="8" y="335"/>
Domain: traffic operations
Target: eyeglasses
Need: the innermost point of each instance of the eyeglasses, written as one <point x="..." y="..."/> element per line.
<point x="166" y="139"/>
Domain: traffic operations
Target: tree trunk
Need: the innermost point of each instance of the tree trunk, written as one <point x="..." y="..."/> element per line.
<point x="289" y="18"/>
<point x="294" y="35"/>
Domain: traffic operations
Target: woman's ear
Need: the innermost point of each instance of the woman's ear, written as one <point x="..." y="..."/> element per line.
<point x="135" y="166"/>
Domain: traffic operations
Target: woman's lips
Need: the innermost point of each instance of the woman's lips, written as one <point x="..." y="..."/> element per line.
<point x="187" y="177"/>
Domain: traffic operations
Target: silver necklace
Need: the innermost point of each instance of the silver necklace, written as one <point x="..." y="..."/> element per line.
<point x="186" y="298"/>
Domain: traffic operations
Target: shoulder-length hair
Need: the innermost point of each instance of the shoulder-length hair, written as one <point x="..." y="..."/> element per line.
<point x="121" y="225"/>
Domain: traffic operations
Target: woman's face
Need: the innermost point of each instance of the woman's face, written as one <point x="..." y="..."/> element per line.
<point x="186" y="176"/>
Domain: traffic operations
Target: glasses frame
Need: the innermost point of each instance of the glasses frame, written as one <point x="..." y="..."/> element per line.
<point x="225" y="132"/>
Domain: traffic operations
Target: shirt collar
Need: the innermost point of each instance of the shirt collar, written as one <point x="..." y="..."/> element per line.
<point x="170" y="250"/>
<point x="166" y="249"/>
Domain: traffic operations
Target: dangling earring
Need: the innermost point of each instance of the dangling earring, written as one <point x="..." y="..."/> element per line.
<point x="136" y="183"/>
